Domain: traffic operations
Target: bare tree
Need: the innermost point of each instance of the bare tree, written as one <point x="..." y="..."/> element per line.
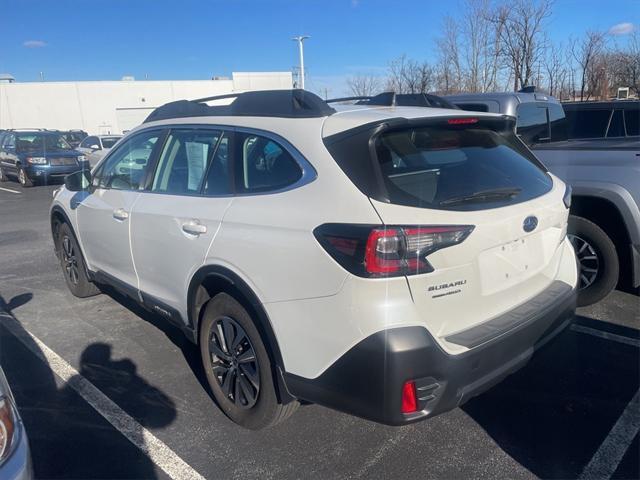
<point x="625" y="64"/>
<point x="410" y="76"/>
<point x="450" y="76"/>
<point x="521" y="26"/>
<point x="556" y="69"/>
<point x="481" y="44"/>
<point x="585" y="53"/>
<point x="364" y="85"/>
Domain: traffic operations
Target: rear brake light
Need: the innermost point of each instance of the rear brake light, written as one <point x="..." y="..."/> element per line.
<point x="387" y="251"/>
<point x="462" y="121"/>
<point x="409" y="402"/>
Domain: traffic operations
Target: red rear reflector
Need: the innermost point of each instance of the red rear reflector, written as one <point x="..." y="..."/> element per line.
<point x="409" y="400"/>
<point x="462" y="121"/>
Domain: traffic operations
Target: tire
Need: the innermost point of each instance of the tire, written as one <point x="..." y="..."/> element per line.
<point x="24" y="179"/>
<point x="232" y="376"/>
<point x="73" y="264"/>
<point x="597" y="260"/>
<point x="3" y="176"/>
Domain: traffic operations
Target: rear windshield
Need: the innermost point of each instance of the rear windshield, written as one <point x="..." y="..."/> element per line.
<point x="458" y="169"/>
<point x="108" y="142"/>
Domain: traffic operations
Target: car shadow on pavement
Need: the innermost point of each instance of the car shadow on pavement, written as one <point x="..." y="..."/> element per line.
<point x="188" y="349"/>
<point x="68" y="438"/>
<point x="554" y="414"/>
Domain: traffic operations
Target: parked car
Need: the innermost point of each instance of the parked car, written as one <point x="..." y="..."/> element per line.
<point x="594" y="120"/>
<point x="605" y="176"/>
<point x="37" y="156"/>
<point x="15" y="457"/>
<point x="386" y="262"/>
<point x="74" y="137"/>
<point x="95" y="147"/>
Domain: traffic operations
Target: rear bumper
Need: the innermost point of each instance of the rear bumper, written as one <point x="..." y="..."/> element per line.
<point x="367" y="380"/>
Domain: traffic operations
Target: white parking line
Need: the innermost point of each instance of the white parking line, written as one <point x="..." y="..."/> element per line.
<point x="9" y="190"/>
<point x="634" y="342"/>
<point x="147" y="442"/>
<point x="606" y="460"/>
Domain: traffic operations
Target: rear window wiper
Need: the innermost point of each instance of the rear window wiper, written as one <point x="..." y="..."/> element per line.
<point x="484" y="196"/>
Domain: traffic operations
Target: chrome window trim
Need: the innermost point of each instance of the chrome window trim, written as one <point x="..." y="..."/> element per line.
<point x="309" y="173"/>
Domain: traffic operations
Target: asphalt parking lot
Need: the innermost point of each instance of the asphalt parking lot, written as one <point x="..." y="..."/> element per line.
<point x="573" y="412"/>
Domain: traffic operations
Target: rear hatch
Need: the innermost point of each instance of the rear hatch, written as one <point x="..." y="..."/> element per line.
<point x="471" y="173"/>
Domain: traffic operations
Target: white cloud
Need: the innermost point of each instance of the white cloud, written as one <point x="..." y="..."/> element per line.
<point x="624" y="28"/>
<point x="34" y="44"/>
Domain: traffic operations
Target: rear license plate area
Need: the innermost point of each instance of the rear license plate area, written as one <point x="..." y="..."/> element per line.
<point x="510" y="263"/>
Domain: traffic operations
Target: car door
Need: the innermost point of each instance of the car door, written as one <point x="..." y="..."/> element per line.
<point x="8" y="157"/>
<point x="175" y="222"/>
<point x="105" y="214"/>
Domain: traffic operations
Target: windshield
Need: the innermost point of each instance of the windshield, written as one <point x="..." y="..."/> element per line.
<point x="456" y="169"/>
<point x="74" y="136"/>
<point x="40" y="141"/>
<point x="108" y="142"/>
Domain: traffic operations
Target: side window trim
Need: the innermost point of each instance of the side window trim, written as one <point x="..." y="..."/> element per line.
<point x="309" y="173"/>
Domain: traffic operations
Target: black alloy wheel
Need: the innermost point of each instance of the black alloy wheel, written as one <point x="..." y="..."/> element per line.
<point x="588" y="261"/>
<point x="69" y="260"/>
<point x="234" y="362"/>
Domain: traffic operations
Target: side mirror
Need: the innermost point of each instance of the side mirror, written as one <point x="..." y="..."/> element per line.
<point x="95" y="147"/>
<point x="78" y="181"/>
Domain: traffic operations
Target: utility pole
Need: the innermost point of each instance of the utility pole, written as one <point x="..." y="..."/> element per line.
<point x="300" y="39"/>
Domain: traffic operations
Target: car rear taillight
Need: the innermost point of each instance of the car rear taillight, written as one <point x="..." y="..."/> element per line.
<point x="378" y="251"/>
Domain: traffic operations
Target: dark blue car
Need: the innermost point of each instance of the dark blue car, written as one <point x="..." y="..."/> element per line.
<point x="37" y="156"/>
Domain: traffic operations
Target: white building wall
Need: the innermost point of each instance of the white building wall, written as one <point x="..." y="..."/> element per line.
<point x="113" y="106"/>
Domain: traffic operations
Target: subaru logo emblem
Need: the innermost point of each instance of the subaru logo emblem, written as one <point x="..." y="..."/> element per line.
<point x="530" y="223"/>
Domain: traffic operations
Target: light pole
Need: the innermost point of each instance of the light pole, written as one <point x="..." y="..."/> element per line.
<point x="300" y="39"/>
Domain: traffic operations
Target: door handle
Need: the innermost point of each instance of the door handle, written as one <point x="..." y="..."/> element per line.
<point x="194" y="227"/>
<point x="120" y="214"/>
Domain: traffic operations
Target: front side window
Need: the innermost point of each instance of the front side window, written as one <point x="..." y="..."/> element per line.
<point x="184" y="161"/>
<point x="457" y="169"/>
<point x="263" y="164"/>
<point x="532" y="125"/>
<point x="125" y="168"/>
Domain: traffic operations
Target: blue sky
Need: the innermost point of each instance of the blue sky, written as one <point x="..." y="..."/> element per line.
<point x="188" y="39"/>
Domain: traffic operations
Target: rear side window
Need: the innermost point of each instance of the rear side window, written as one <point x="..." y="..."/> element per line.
<point x="632" y="122"/>
<point x="184" y="160"/>
<point x="533" y="126"/>
<point x="262" y="164"/>
<point x="557" y="122"/>
<point x="474" y="107"/>
<point x="588" y="123"/>
<point x="458" y="169"/>
<point x="616" y="125"/>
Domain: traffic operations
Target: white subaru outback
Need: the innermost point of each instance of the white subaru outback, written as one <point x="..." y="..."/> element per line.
<point x="388" y="262"/>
